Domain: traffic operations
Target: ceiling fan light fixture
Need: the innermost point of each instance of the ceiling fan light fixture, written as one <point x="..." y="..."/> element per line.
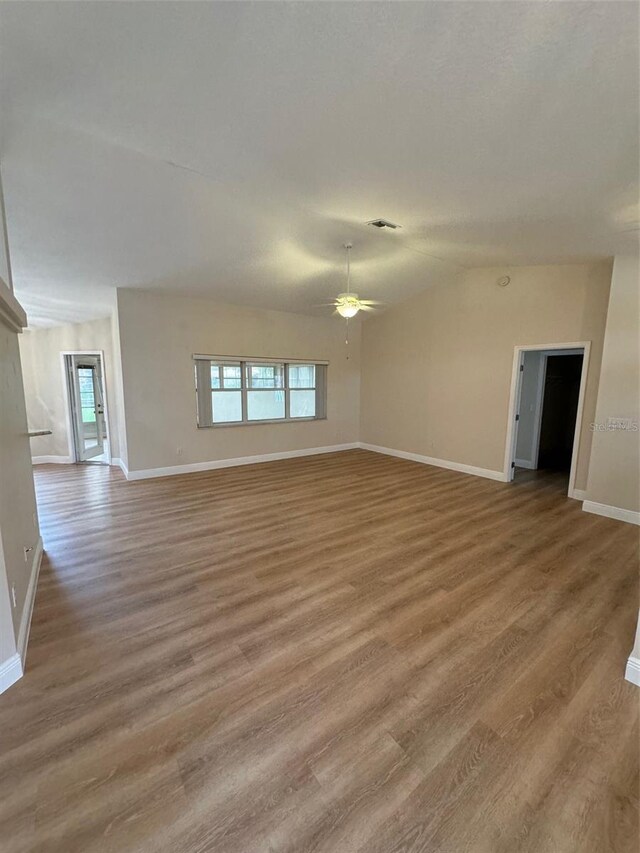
<point x="347" y="305"/>
<point x="383" y="223"/>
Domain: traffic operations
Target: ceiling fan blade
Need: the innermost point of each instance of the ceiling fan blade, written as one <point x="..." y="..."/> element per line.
<point x="368" y="308"/>
<point x="370" y="302"/>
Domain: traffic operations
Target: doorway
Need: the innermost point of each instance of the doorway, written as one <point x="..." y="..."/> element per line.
<point x="87" y="412"/>
<point x="545" y="412"/>
<point x="559" y="411"/>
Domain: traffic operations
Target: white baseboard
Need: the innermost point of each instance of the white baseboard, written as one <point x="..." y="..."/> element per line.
<point x="578" y="494"/>
<point x="439" y="463"/>
<point x="632" y="672"/>
<point x="118" y="463"/>
<point x="616" y="512"/>
<point x="25" y="621"/>
<point x="51" y="460"/>
<point x="10" y="671"/>
<point x="524" y="463"/>
<point x="149" y="473"/>
<point x="13" y="668"/>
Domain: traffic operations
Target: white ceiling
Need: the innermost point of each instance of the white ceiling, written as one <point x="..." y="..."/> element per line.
<point x="495" y="133"/>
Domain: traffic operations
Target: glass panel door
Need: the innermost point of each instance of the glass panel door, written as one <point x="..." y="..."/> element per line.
<point x="91" y="412"/>
<point x="86" y="398"/>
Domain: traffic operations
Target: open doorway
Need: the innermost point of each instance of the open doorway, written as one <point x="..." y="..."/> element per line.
<point x="545" y="413"/>
<point x="87" y="407"/>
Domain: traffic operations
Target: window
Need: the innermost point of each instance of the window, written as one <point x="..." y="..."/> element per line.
<point x="266" y="392"/>
<point x="87" y="394"/>
<point x="226" y="393"/>
<point x="238" y="391"/>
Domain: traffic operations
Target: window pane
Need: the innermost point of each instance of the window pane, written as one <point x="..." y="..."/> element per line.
<point x="265" y="375"/>
<point x="232" y="377"/>
<point x="302" y="376"/>
<point x="215" y="376"/>
<point x="87" y="402"/>
<point x="265" y="405"/>
<point x="227" y="406"/>
<point x="302" y="404"/>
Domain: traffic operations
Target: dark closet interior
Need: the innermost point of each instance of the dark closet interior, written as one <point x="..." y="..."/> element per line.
<point x="559" y="411"/>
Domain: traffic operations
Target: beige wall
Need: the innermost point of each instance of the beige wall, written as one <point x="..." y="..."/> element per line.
<point x="18" y="521"/>
<point x="437" y="369"/>
<point x="435" y="378"/>
<point x="8" y="638"/>
<point x="44" y="381"/>
<point x="116" y="398"/>
<point x="159" y="335"/>
<point x="5" y="265"/>
<point x="18" y="516"/>
<point x="614" y="473"/>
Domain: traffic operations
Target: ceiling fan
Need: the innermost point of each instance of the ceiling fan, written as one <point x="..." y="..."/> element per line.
<point x="348" y="304"/>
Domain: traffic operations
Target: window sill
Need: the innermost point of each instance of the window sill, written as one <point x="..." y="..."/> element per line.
<point x="262" y="422"/>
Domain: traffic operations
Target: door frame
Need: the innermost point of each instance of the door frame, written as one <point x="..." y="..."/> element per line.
<point x="514" y="402"/>
<point x="73" y="453"/>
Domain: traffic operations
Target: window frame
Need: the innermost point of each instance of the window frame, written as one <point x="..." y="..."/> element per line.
<point x="223" y="389"/>
<point x="204" y="406"/>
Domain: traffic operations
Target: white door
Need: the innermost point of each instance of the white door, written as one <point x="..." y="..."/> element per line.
<point x="516" y="417"/>
<point x="88" y="406"/>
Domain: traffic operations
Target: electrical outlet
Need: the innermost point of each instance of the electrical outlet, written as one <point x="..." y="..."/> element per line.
<point x="13" y="594"/>
<point x="178" y="451"/>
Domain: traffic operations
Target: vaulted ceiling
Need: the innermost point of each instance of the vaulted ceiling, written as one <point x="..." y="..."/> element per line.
<point x="230" y="149"/>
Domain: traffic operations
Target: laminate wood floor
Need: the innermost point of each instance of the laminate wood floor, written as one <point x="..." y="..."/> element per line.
<point x="347" y="653"/>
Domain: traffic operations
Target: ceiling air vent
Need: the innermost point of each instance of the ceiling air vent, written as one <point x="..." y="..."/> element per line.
<point x="383" y="223"/>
